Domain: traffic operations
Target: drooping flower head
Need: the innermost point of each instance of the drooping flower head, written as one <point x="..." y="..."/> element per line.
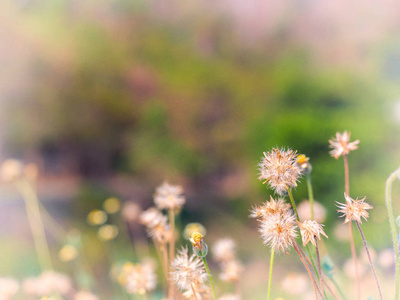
<point x="341" y="144"/>
<point x="309" y="230"/>
<point x="354" y="210"/>
<point x="280" y="169"/>
<point x="169" y="197"/>
<point x="187" y="271"/>
<point x="269" y="208"/>
<point x="279" y="231"/>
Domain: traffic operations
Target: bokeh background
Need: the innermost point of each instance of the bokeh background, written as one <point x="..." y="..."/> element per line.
<point x="112" y="97"/>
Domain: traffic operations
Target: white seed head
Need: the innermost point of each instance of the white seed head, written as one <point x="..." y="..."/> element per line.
<point x="341" y="144"/>
<point x="169" y="197"/>
<point x="140" y="279"/>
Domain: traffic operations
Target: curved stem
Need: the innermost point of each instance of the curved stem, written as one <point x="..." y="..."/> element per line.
<point x="270" y="273"/>
<point x="310" y="195"/>
<point x="209" y="276"/>
<point x="369" y="258"/>
<point x="297" y="248"/>
<point x="389" y="206"/>
<point x="353" y="248"/>
<point x="293" y="204"/>
<point x="319" y="265"/>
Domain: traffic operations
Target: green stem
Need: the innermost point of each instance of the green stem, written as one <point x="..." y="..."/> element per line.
<point x="293" y="204"/>
<point x="209" y="276"/>
<point x="338" y="288"/>
<point x="310" y="195"/>
<point x="270" y="273"/>
<point x="389" y="206"/>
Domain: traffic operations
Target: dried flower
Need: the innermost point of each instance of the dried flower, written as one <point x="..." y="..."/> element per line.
<point x="224" y="250"/>
<point x="187" y="271"/>
<point x="230" y="270"/>
<point x="131" y="212"/>
<point x="140" y="278"/>
<point x="47" y="283"/>
<point x="354" y="210"/>
<point x="270" y="208"/>
<point x="309" y="230"/>
<point x="341" y="145"/>
<point x="152" y="217"/>
<point x="278" y="232"/>
<point x="280" y="169"/>
<point x="169" y="197"/>
<point x="8" y="288"/>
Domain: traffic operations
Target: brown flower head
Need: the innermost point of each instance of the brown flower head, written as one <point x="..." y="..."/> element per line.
<point x="279" y="231"/>
<point x="271" y="207"/>
<point x="341" y="144"/>
<point x="280" y="169"/>
<point x="309" y="230"/>
<point x="354" y="210"/>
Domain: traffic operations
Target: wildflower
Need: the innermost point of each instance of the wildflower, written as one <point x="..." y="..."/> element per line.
<point x="187" y="271"/>
<point x="341" y="145"/>
<point x="309" y="230"/>
<point x="199" y="247"/>
<point x="140" y="279"/>
<point x="85" y="295"/>
<point x="131" y="212"/>
<point x="230" y="270"/>
<point x="49" y="282"/>
<point x="304" y="211"/>
<point x="280" y="169"/>
<point x="304" y="164"/>
<point x="169" y="197"/>
<point x="354" y="210"/>
<point x="278" y="232"/>
<point x="152" y="217"/>
<point x="193" y="227"/>
<point x="269" y="208"/>
<point x="8" y="288"/>
<point x="224" y="250"/>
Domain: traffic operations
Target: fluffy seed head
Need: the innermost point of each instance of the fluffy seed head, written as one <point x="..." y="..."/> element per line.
<point x="341" y="144"/>
<point x="187" y="270"/>
<point x="169" y="197"/>
<point x="140" y="278"/>
<point x="309" y="230"/>
<point x="269" y="208"/>
<point x="280" y="169"/>
<point x="354" y="210"/>
<point x="279" y="231"/>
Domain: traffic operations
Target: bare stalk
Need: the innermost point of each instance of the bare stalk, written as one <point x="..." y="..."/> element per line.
<point x="297" y="248"/>
<point x="319" y="265"/>
<point x="353" y="248"/>
<point x="369" y="258"/>
<point x="271" y="264"/>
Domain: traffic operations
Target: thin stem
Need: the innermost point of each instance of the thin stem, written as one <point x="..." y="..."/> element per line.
<point x="319" y="265"/>
<point x="209" y="276"/>
<point x="353" y="248"/>
<point x="36" y="224"/>
<point x="297" y="248"/>
<point x="338" y="288"/>
<point x="310" y="195"/>
<point x="271" y="264"/>
<point x="369" y="258"/>
<point x="389" y="206"/>
<point x="330" y="290"/>
<point x="293" y="204"/>
<point x="171" y="214"/>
